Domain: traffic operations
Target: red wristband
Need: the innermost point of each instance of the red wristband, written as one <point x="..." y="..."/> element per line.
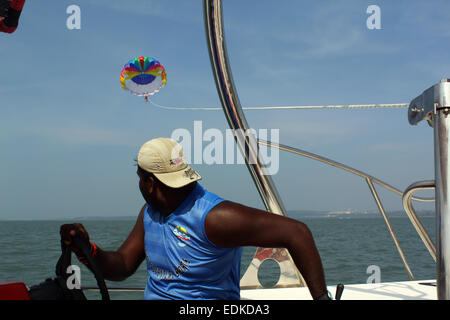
<point x="94" y="251"/>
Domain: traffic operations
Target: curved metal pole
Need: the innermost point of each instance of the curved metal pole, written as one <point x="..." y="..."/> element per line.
<point x="407" y="197"/>
<point x="391" y="230"/>
<point x="232" y="107"/>
<point x="407" y="205"/>
<point x="338" y="165"/>
<point x="245" y="140"/>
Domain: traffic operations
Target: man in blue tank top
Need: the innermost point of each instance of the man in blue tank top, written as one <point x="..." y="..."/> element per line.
<point x="191" y="238"/>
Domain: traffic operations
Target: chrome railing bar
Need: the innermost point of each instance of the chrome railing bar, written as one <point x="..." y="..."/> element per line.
<point x="391" y="230"/>
<point x="433" y="105"/>
<point x="337" y="165"/>
<point x="369" y="179"/>
<point x="407" y="205"/>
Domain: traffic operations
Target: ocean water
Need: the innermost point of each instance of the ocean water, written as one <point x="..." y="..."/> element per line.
<point x="29" y="251"/>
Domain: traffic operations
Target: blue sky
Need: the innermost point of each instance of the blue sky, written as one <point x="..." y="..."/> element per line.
<point x="69" y="134"/>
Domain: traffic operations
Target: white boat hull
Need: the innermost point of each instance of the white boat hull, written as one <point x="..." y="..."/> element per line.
<point x="407" y="290"/>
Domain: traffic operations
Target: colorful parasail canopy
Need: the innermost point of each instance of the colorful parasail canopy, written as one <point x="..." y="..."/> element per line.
<point x="143" y="76"/>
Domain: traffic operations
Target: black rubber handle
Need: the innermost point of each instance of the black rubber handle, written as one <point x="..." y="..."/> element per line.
<point x="339" y="290"/>
<point x="86" y="250"/>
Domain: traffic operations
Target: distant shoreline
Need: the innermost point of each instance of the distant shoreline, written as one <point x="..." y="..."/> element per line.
<point x="354" y="214"/>
<point x="297" y="214"/>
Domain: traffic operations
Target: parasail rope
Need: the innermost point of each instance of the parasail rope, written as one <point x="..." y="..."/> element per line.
<point x="350" y="106"/>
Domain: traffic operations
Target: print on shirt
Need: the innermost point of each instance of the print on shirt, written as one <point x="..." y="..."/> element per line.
<point x="167" y="274"/>
<point x="181" y="234"/>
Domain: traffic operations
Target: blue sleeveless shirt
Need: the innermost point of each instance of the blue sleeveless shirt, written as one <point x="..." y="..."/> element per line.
<point x="181" y="262"/>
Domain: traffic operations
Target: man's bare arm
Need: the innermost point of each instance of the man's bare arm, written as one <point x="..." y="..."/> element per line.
<point x="231" y="224"/>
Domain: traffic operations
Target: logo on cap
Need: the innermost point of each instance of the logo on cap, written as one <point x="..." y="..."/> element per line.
<point x="176" y="161"/>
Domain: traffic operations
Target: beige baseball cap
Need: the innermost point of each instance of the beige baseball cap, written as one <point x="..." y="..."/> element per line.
<point x="164" y="157"/>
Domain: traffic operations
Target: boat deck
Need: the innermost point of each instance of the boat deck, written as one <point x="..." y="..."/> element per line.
<point x="407" y="290"/>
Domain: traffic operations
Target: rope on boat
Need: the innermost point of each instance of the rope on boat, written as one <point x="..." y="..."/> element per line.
<point x="350" y="106"/>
